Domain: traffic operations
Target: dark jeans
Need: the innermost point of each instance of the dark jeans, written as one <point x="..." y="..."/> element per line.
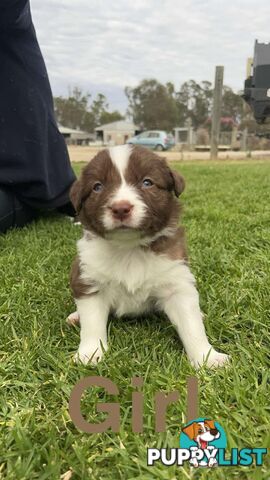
<point x="13" y="213"/>
<point x="34" y="161"/>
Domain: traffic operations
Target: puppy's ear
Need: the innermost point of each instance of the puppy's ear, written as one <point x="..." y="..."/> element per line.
<point x="189" y="431"/>
<point x="75" y="195"/>
<point x="178" y="183"/>
<point x="210" y="423"/>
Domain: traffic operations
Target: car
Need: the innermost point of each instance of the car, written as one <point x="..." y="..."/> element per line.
<point x="155" y="139"/>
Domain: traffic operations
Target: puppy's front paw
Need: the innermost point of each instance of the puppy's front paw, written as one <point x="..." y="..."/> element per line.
<point x="194" y="462"/>
<point x="73" y="319"/>
<point x="212" y="359"/>
<point x="91" y="352"/>
<point x="212" y="463"/>
<point x="217" y="359"/>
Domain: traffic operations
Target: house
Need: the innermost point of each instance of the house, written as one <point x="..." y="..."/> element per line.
<point x="76" y="136"/>
<point x="116" y="133"/>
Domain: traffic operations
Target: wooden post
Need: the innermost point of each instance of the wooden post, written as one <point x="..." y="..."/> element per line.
<point x="216" y="111"/>
<point x="234" y="137"/>
<point x="189" y="133"/>
<point x="246" y="112"/>
<point x="244" y="139"/>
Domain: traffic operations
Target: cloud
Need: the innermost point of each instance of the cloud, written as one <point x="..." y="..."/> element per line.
<point x="104" y="46"/>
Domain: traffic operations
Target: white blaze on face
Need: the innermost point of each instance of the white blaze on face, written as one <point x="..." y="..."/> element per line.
<point x="202" y="426"/>
<point x="124" y="193"/>
<point x="120" y="157"/>
<point x="206" y="435"/>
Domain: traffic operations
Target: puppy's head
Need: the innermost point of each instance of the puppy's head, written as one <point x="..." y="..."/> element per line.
<point x="202" y="432"/>
<point x="126" y="189"/>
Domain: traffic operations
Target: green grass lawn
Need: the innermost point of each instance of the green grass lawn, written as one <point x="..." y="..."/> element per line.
<point x="227" y="219"/>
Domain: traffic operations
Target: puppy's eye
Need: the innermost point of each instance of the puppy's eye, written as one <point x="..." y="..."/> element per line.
<point x="200" y="430"/>
<point x="97" y="187"/>
<point x="147" y="183"/>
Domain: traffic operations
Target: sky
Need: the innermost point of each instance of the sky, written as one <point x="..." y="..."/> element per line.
<point x="103" y="46"/>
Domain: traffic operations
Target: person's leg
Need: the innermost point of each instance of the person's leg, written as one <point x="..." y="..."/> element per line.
<point x="12" y="212"/>
<point x="33" y="154"/>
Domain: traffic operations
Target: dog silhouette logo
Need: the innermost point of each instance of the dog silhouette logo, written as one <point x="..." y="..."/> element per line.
<point x="203" y="437"/>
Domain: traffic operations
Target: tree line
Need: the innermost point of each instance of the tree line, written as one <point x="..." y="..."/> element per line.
<point x="79" y="112"/>
<point x="152" y="105"/>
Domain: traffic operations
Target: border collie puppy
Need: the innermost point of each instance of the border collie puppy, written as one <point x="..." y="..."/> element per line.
<point x="132" y="257"/>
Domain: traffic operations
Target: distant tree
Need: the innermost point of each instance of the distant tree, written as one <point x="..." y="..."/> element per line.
<point x="108" y="117"/>
<point x="152" y="105"/>
<point x="248" y="121"/>
<point x="71" y="111"/>
<point x="194" y="101"/>
<point x="89" y="122"/>
<point x="75" y="111"/>
<point x="99" y="108"/>
<point x="232" y="104"/>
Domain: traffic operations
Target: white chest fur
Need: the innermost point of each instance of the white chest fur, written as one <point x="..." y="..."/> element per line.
<point x="132" y="279"/>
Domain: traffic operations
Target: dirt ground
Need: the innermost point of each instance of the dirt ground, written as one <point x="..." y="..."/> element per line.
<point x="84" y="154"/>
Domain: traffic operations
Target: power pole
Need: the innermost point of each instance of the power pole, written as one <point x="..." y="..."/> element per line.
<point x="216" y="112"/>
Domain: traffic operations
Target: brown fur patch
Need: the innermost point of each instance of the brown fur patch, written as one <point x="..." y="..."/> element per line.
<point x="163" y="208"/>
<point x="191" y="431"/>
<point x="179" y="183"/>
<point x="89" y="204"/>
<point x="211" y="425"/>
<point x="78" y="287"/>
<point x="173" y="247"/>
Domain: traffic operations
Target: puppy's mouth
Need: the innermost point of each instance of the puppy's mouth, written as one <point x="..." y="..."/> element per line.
<point x="124" y="227"/>
<point x="204" y="444"/>
<point x="123" y="233"/>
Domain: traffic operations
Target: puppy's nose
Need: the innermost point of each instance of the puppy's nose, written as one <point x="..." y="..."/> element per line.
<point x="121" y="210"/>
<point x="214" y="431"/>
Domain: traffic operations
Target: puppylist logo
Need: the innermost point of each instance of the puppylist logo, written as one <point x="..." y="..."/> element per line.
<point x="202" y="443"/>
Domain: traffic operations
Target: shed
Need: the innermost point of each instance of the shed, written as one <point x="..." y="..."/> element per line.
<point x="116" y="133"/>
